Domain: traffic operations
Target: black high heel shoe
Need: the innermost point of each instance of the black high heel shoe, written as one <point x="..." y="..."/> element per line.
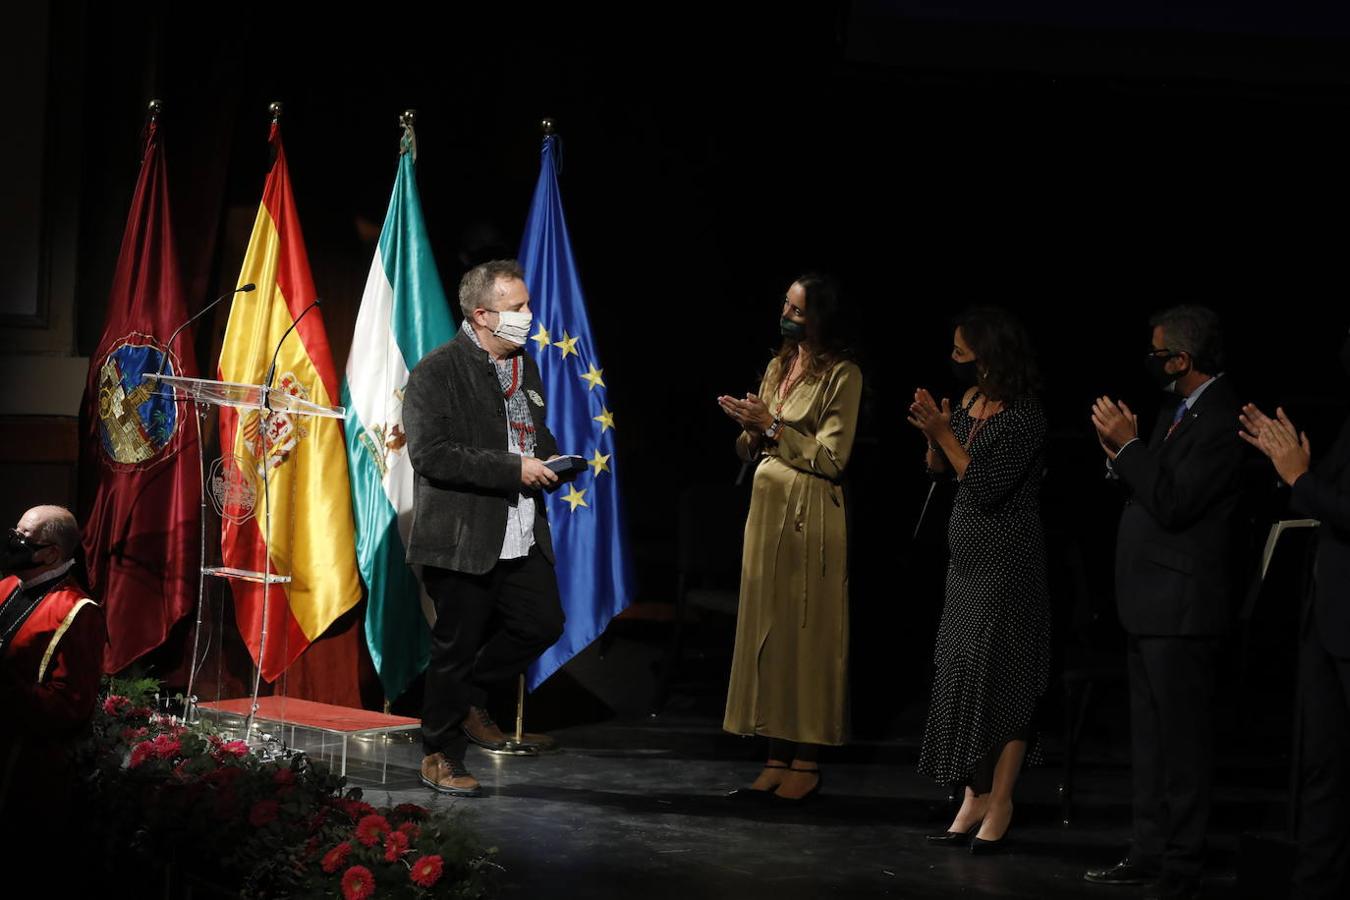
<point x="954" y="838"/>
<point x="754" y="795"/>
<point x="980" y="847"/>
<point x="779" y="799"/>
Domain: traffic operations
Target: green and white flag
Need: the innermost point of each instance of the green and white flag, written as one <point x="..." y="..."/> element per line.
<point x="404" y="315"/>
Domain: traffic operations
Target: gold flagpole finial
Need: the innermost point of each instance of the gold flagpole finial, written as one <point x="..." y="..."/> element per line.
<point x="408" y="143"/>
<point x="153" y="109"/>
<point x="546" y="126"/>
<point x="275" y="109"/>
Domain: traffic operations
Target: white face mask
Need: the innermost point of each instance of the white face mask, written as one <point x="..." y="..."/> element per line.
<point x="513" y="327"/>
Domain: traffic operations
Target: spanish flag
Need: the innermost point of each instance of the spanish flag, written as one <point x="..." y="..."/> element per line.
<point x="308" y="501"/>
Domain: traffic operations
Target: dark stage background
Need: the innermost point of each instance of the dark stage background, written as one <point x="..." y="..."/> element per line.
<point x="1079" y="168"/>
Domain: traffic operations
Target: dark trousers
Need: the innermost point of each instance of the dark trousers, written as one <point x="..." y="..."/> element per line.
<point x="489" y="628"/>
<point x="1172" y="681"/>
<point x="1323" y="824"/>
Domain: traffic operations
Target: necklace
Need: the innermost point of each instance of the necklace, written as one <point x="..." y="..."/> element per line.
<point x="785" y="386"/>
<point x="977" y="425"/>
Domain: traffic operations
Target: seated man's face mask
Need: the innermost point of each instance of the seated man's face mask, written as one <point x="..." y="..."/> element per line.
<point x="18" y="553"/>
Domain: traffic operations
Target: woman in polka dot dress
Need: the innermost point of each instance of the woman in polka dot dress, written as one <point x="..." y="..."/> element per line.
<point x="992" y="656"/>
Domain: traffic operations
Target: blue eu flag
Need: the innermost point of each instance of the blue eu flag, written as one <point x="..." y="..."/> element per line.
<point x="586" y="517"/>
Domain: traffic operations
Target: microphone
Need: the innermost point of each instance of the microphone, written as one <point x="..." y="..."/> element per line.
<point x="272" y="369"/>
<point x="164" y="357"/>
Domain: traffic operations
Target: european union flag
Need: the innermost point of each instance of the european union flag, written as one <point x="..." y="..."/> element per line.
<point x="586" y="517"/>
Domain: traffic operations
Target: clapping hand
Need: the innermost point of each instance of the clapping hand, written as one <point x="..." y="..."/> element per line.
<point x="1115" y="424"/>
<point x="1287" y="447"/>
<point x="750" y="413"/>
<point x="926" y="415"/>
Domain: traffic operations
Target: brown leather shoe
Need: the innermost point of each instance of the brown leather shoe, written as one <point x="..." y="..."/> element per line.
<point x="479" y="728"/>
<point x="449" y="776"/>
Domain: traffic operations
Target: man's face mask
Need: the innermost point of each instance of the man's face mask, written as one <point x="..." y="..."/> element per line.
<point x="18" y="552"/>
<point x="513" y="327"/>
<point x="1156" y="364"/>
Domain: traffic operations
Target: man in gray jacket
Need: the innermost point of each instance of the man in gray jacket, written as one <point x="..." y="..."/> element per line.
<point x="473" y="411"/>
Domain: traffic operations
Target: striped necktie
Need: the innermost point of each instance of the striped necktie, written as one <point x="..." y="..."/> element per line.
<point x="1176" y="419"/>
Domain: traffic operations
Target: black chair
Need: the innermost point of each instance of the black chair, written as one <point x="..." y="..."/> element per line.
<point x="711" y="527"/>
<point x="1093" y="658"/>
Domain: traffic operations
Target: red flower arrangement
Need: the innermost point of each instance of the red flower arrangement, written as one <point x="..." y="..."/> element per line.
<point x="267" y="824"/>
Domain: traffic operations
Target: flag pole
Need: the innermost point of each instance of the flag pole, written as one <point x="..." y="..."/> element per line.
<point x="264" y="416"/>
<point x="519" y="745"/>
<point x="520" y="710"/>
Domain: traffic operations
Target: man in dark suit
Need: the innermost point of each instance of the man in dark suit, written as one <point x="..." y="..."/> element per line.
<point x="473" y="411"/>
<point x="1322" y="821"/>
<point x="1176" y="575"/>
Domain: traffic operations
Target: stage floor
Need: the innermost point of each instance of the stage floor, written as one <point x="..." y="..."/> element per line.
<point x="634" y="809"/>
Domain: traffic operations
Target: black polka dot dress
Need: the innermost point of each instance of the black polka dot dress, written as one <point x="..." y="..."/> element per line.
<point x="992" y="656"/>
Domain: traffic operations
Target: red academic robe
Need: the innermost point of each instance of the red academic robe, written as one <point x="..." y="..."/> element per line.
<point x="49" y="680"/>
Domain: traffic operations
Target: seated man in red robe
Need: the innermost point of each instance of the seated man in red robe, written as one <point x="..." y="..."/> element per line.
<point x="51" y="658"/>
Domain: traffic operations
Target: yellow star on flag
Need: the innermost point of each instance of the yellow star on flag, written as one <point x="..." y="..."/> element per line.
<point x="542" y="338"/>
<point x="593" y="377"/>
<point x="567" y="345"/>
<point x="576" y="497"/>
<point x="599" y="462"/>
<point x="606" y="419"/>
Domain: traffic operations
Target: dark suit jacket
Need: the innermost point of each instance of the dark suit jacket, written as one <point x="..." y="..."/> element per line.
<point x="1324" y="494"/>
<point x="455" y="419"/>
<point x="1177" y="565"/>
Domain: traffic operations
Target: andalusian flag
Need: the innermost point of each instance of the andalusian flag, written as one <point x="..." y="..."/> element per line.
<point x="306" y="466"/>
<point x="403" y="315"/>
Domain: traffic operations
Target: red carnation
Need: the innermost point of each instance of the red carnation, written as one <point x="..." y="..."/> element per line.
<point x="358" y="883"/>
<point x="427" y="871"/>
<point x="370" y="829"/>
<point x="115" y="705"/>
<point x="410" y="811"/>
<point x="263" y="813"/>
<point x="356" y="809"/>
<point x="395" y="845"/>
<point x="131" y="735"/>
<point x="141" y="752"/>
<point x="411" y="829"/>
<point x="166" y="747"/>
<point x="237" y="749"/>
<point x="336" y="858"/>
<point x="284" y="776"/>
